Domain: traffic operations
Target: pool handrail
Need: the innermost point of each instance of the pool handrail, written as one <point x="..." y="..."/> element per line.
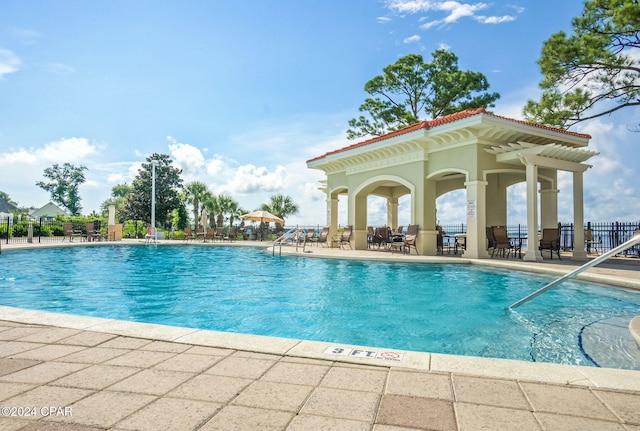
<point x="290" y="234"/>
<point x="622" y="247"/>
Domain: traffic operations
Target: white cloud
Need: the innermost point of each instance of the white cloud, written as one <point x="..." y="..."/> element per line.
<point x="412" y="39"/>
<point x="186" y="157"/>
<point x="454" y="11"/>
<point x="494" y="19"/>
<point x="250" y="179"/>
<point x="60" y="68"/>
<point x="66" y="150"/>
<point x="20" y="168"/>
<point x="9" y="62"/>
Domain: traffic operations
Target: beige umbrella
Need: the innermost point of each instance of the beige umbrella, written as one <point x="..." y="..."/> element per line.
<point x="263" y="216"/>
<point x="203" y="218"/>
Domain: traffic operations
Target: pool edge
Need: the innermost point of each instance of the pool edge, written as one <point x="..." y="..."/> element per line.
<point x="547" y="373"/>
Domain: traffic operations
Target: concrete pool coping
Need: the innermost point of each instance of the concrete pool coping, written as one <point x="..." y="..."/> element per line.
<point x="581" y="380"/>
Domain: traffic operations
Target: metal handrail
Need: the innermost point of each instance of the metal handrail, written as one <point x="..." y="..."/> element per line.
<point x="622" y="247"/>
<point x="285" y="236"/>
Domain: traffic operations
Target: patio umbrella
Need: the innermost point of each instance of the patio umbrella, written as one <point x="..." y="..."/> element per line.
<point x="203" y="218"/>
<point x="263" y="217"/>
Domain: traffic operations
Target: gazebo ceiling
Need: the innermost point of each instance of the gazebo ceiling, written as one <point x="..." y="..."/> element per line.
<point x="515" y="153"/>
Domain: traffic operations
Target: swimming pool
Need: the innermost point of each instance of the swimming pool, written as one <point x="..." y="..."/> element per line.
<point x="439" y="308"/>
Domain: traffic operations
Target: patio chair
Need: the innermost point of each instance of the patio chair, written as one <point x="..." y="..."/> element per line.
<point x="369" y="236"/>
<point x="344" y="237"/>
<point x="590" y="243"/>
<point x="231" y="235"/>
<point x="309" y="235"/>
<point x="491" y="241"/>
<point x="70" y="232"/>
<point x="550" y="241"/>
<point x="379" y="237"/>
<point x="410" y="238"/>
<point x="322" y="238"/>
<point x="188" y="234"/>
<point x="502" y="241"/>
<point x="200" y="233"/>
<point x="93" y="234"/>
<point x="219" y="235"/>
<point x="460" y="243"/>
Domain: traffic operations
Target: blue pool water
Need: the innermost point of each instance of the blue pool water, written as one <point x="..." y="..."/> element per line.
<point x="440" y="308"/>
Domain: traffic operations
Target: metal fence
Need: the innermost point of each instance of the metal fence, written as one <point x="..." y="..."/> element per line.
<point x="606" y="235"/>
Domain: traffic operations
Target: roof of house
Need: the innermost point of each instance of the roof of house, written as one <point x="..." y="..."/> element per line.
<point x="429" y="124"/>
<point x="5" y="206"/>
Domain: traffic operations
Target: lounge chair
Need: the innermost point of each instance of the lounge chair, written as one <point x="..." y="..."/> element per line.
<point x="502" y="241"/>
<point x="219" y="235"/>
<point x="200" y="233"/>
<point x="188" y="234"/>
<point x="550" y="241"/>
<point x="344" y="237"/>
<point x="70" y="232"/>
<point x="590" y="243"/>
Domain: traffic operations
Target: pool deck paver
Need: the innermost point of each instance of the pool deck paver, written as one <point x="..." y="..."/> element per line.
<point x="63" y="372"/>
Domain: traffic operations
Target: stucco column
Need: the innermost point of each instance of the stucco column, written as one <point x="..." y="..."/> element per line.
<point x="425" y="218"/>
<point x="532" y="254"/>
<point x="358" y="219"/>
<point x="476" y="220"/>
<point x="392" y="212"/>
<point x="496" y="197"/>
<point x="579" y="253"/>
<point x="332" y="217"/>
<point x="549" y="208"/>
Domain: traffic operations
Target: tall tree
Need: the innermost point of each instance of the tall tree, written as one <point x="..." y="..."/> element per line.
<point x="63" y="185"/>
<point x="194" y="193"/>
<point x="168" y="188"/>
<point x="281" y="206"/>
<point x="410" y="89"/>
<point x="594" y="71"/>
<point x="118" y="196"/>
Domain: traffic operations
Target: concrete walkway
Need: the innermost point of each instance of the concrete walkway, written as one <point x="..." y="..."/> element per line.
<point x="61" y="372"/>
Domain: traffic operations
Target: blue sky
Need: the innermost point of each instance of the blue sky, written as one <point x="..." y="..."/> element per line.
<point x="241" y="94"/>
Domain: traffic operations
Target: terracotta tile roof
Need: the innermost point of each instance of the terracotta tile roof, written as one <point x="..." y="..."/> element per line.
<point x="428" y="124"/>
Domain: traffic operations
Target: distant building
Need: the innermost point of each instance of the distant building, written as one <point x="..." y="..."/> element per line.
<point x="6" y="209"/>
<point x="47" y="212"/>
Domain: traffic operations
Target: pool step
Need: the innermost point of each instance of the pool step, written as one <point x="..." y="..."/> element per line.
<point x="608" y="343"/>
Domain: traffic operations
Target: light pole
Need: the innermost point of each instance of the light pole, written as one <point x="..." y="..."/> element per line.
<point x="154" y="163"/>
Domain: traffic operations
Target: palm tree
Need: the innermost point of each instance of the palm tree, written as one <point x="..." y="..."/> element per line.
<point x="225" y="206"/>
<point x="281" y="206"/>
<point x="194" y="193"/>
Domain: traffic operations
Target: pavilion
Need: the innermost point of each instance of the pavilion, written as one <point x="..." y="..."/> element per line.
<point x="473" y="150"/>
